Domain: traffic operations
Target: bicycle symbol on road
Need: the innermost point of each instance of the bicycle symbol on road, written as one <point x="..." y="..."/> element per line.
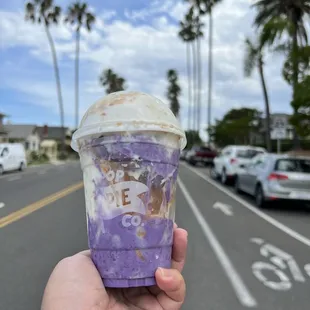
<point x="281" y="264"/>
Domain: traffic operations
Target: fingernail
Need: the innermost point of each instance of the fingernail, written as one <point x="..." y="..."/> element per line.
<point x="166" y="273"/>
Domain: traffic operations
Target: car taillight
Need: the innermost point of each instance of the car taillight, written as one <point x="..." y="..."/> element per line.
<point x="233" y="160"/>
<point x="278" y="177"/>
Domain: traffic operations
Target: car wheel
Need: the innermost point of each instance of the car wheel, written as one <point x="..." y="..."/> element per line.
<point x="192" y="162"/>
<point x="260" y="197"/>
<point x="1" y="170"/>
<point x="22" y="167"/>
<point x="224" y="177"/>
<point x="237" y="185"/>
<point x="213" y="173"/>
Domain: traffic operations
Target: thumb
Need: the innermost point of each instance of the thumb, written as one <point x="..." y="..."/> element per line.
<point x="172" y="284"/>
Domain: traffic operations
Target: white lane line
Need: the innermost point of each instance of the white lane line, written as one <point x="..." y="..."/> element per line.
<point x="42" y="172"/>
<point x="294" y="234"/>
<point x="14" y="178"/>
<point x="242" y="292"/>
<point x="2" y="205"/>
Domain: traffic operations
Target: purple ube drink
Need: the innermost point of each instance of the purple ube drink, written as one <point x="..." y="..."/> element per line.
<point x="130" y="184"/>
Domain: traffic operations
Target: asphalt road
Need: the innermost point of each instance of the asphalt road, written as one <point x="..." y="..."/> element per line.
<point x="239" y="257"/>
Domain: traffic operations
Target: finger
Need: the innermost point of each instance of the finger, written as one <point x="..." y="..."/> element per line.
<point x="179" y="248"/>
<point x="178" y="254"/>
<point x="175" y="226"/>
<point x="172" y="284"/>
<point x="85" y="253"/>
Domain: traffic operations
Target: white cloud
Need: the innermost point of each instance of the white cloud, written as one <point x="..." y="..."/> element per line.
<point x="142" y="52"/>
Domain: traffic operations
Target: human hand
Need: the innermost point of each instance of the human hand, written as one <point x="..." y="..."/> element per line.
<point x="75" y="284"/>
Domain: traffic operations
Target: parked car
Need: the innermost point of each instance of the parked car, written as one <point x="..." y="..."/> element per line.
<point x="231" y="159"/>
<point x="12" y="157"/>
<point x="272" y="177"/>
<point x="200" y="154"/>
<point x="183" y="154"/>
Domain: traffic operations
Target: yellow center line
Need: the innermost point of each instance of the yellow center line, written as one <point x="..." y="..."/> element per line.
<point x="15" y="216"/>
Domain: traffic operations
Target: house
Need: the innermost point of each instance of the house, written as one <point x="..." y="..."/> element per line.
<point x="53" y="133"/>
<point x="49" y="147"/>
<point x="3" y="131"/>
<point x="26" y="134"/>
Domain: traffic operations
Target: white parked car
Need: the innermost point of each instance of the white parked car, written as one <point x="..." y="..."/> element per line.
<point x="231" y="159"/>
<point x="12" y="157"/>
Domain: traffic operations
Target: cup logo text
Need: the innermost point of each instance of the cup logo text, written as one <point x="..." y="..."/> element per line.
<point x="122" y="197"/>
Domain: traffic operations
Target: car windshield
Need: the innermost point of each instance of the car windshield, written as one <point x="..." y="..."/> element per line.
<point x="293" y="165"/>
<point x="248" y="153"/>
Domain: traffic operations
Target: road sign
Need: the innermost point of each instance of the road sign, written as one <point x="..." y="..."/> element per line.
<point x="279" y="121"/>
<point x="278" y="133"/>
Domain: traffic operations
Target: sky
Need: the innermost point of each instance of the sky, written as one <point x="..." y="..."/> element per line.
<point x="138" y="40"/>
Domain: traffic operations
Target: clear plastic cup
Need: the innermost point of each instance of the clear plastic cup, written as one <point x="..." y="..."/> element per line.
<point x="130" y="185"/>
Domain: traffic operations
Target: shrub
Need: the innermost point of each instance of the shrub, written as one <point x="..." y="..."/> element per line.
<point x="62" y="156"/>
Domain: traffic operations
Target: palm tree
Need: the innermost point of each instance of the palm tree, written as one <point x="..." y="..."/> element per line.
<point x="79" y="16"/>
<point x="294" y="14"/>
<point x="206" y="7"/>
<point x="198" y="35"/>
<point x="187" y="35"/>
<point x="111" y="81"/>
<point x="254" y="58"/>
<point x="190" y="21"/>
<point x="174" y="91"/>
<point x="46" y="13"/>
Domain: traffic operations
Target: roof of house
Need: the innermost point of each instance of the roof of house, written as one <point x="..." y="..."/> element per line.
<point x="54" y="133"/>
<point x="19" y="131"/>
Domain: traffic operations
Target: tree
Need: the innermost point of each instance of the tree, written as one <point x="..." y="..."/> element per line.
<point x="238" y="126"/>
<point x="198" y="25"/>
<point x="285" y="16"/>
<point x="111" y="81"/>
<point x="289" y="17"/>
<point x="254" y="58"/>
<point x="293" y="12"/>
<point x="206" y="7"/>
<point x="79" y="16"/>
<point x="187" y="35"/>
<point x="192" y="138"/>
<point x="190" y="18"/>
<point x="301" y="102"/>
<point x="303" y="65"/>
<point x="173" y="91"/>
<point x="46" y="13"/>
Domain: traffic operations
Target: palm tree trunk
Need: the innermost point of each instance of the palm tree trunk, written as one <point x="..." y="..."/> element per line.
<point x="194" y="86"/>
<point x="188" y="65"/>
<point x="210" y="71"/>
<point x="198" y="84"/>
<point x="296" y="141"/>
<point x="58" y="86"/>
<point x="266" y="99"/>
<point x="77" y="54"/>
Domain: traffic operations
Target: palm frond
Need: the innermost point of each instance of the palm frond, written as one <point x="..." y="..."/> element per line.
<point x="250" y="58"/>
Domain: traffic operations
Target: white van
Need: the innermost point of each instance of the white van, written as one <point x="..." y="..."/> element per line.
<point x="12" y="157"/>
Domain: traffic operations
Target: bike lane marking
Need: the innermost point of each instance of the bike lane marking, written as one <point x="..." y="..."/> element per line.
<point x="235" y="233"/>
<point x="250" y="207"/>
<point x="242" y="292"/>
